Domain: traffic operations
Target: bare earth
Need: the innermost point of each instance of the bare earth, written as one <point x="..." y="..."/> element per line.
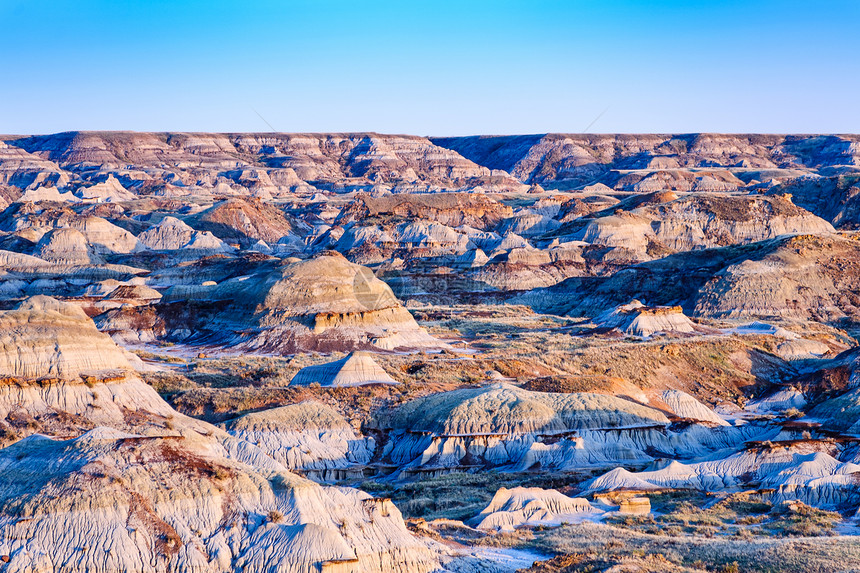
<point x="360" y="352"/>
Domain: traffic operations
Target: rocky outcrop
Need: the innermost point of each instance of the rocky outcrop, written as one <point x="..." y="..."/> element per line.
<point x="528" y="223"/>
<point x="43" y="337"/>
<point x="804" y="276"/>
<point x="263" y="164"/>
<point x="780" y="400"/>
<point x="172" y="234"/>
<point x="110" y="190"/>
<point x="20" y="262"/>
<point x="802" y="349"/>
<point x="586" y="158"/>
<point x="800" y="277"/>
<point x="512" y="429"/>
<point x="526" y="269"/>
<point x="355" y="369"/>
<point x="245" y="222"/>
<point x="432" y="237"/>
<point x="835" y="198"/>
<point x="61" y="376"/>
<point x="685" y="406"/>
<point x="505" y="409"/>
<point x="578" y="207"/>
<point x="451" y="209"/>
<point x="636" y="319"/>
<point x="117" y="480"/>
<point x="840" y="413"/>
<point x="324" y="304"/>
<point x="712" y="221"/>
<point x="109" y="165"/>
<point x="24" y="170"/>
<point x="532" y="507"/>
<point x="699" y="222"/>
<point x="111" y="500"/>
<point x="103" y="236"/>
<point x="309" y="437"/>
<point x="67" y="247"/>
<point x="805" y="472"/>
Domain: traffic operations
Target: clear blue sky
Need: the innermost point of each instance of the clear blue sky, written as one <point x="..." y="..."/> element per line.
<point x="430" y="67"/>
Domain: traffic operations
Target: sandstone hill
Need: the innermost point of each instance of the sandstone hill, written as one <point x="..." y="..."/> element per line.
<point x="804" y="276"/>
<point x="803" y="472"/>
<point x="356" y="369"/>
<point x="308" y="437"/>
<point x="274" y="163"/>
<point x="242" y="221"/>
<point x="43" y="337"/>
<point x="555" y="158"/>
<point x="325" y="303"/>
<point x="172" y="234"/>
<point x="637" y="319"/>
<point x="147" y="489"/>
<point x="473" y="330"/>
<point x="512" y="429"/>
<point x="512" y="508"/>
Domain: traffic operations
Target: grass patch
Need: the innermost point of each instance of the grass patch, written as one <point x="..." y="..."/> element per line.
<point x="602" y="543"/>
<point x="741" y="515"/>
<point x="460" y="495"/>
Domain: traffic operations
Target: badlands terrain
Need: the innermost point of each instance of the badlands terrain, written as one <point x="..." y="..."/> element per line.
<point x="350" y="353"/>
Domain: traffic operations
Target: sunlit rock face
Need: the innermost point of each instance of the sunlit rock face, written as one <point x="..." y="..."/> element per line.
<point x="802" y="472"/>
<point x="110" y="501"/>
<point x="637" y="319"/>
<point x="46" y="338"/>
<point x="324" y="303"/>
<point x="612" y="315"/>
<point x="172" y="234"/>
<point x="512" y="429"/>
<point x="520" y="506"/>
<point x="582" y="158"/>
<point x="356" y="369"/>
<point x="117" y="480"/>
<point x="308" y="437"/>
<point x="266" y="164"/>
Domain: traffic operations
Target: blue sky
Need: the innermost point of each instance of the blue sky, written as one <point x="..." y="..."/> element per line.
<point x="430" y="67"/>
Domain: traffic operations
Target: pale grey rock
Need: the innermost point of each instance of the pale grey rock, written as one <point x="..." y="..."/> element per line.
<point x="355" y="369"/>
<point x="636" y="319"/>
<point x="104" y="237"/>
<point x="625" y="230"/>
<point x="67" y="246"/>
<point x="533" y="507"/>
<point x="110" y="190"/>
<point x="43" y="337"/>
<point x="325" y="302"/>
<point x="686" y="406"/>
<point x="512" y="429"/>
<point x="172" y="234"/>
<point x="528" y="223"/>
<point x="801" y="472"/>
<point x="802" y="349"/>
<point x="310" y="437"/>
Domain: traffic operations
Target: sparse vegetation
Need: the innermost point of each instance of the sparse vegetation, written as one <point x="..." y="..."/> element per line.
<point x="742" y="515"/>
<point x="459" y="495"/>
<point x="539" y="351"/>
<point x="599" y="547"/>
<point x="229" y="331"/>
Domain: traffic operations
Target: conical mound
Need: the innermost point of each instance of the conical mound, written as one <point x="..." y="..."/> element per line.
<point x="356" y="369"/>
